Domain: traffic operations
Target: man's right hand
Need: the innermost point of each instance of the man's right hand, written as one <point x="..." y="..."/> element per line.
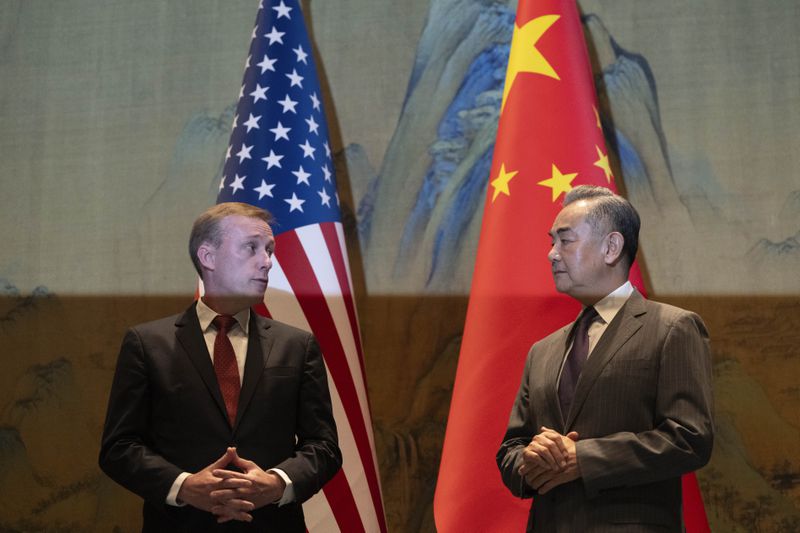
<point x="197" y="488"/>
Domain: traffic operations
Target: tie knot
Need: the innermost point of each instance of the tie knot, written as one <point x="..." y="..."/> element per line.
<point x="223" y="323"/>
<point x="585" y="320"/>
<point x="589" y="314"/>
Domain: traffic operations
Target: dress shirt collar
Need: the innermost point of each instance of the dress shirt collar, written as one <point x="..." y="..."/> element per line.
<point x="609" y="306"/>
<point x="206" y="315"/>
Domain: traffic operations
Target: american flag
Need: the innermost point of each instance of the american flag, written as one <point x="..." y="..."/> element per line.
<point x="279" y="158"/>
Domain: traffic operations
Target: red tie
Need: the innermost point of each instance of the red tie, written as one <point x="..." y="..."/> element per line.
<point x="225" y="365"/>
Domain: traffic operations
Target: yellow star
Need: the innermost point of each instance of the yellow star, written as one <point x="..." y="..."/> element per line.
<point x="500" y="183"/>
<point x="559" y="182"/>
<point x="602" y="163"/>
<point x="524" y="56"/>
<point x="597" y="117"/>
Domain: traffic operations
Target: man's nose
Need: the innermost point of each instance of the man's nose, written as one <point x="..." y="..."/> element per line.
<point x="553" y="254"/>
<point x="266" y="260"/>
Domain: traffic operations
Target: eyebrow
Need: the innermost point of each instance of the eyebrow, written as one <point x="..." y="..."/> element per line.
<point x="560" y="231"/>
<point x="257" y="236"/>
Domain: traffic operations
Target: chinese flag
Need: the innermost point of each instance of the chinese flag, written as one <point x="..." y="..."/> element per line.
<point x="549" y="140"/>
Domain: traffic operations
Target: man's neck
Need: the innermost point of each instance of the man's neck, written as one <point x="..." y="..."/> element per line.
<point x="602" y="292"/>
<point x="226" y="305"/>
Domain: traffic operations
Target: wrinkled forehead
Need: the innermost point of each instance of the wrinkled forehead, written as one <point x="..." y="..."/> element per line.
<point x="570" y="217"/>
<point x="242" y="226"/>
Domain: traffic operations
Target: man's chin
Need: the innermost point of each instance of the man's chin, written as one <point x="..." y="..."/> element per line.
<point x="561" y="284"/>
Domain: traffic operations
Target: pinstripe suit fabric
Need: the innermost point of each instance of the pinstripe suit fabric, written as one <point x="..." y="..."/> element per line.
<point x="643" y="412"/>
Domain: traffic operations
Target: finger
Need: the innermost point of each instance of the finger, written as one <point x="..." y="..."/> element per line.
<point x="530" y="470"/>
<point x="547" y="452"/>
<point x="238" y="505"/>
<point x="554" y="444"/>
<point x="226" y="474"/>
<point x="549" y="484"/>
<point x="530" y="459"/>
<point x="226" y="458"/>
<point x="222" y="496"/>
<point x="538" y="478"/>
<point x="553" y="436"/>
<point x="226" y="514"/>
<point x="572" y="435"/>
<point x="244" y="464"/>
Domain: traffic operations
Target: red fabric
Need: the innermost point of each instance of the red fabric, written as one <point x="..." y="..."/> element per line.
<point x="225" y="365"/>
<point x="548" y="127"/>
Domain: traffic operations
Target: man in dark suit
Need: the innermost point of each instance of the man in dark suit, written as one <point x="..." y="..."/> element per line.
<point x="615" y="407"/>
<point x="218" y="418"/>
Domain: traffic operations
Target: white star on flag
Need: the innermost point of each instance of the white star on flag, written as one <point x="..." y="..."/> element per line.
<point x="326" y="200"/>
<point x="282" y="10"/>
<point x="244" y="152"/>
<point x="295" y="203"/>
<point x="288" y="104"/>
<point x="301" y="54"/>
<point x="280" y="131"/>
<point x="260" y="93"/>
<point x="238" y="183"/>
<point x="302" y="175"/>
<point x="275" y="36"/>
<point x="272" y="160"/>
<point x="296" y="79"/>
<point x="308" y="150"/>
<point x="252" y="123"/>
<point x="265" y="189"/>
<point x="267" y="64"/>
<point x="312" y="125"/>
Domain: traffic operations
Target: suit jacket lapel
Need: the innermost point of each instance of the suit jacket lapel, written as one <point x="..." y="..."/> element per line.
<point x="621" y="328"/>
<point x="259" y="345"/>
<point x="190" y="336"/>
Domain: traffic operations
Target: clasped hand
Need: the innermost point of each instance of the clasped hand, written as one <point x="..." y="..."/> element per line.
<point x="230" y="494"/>
<point x="550" y="460"/>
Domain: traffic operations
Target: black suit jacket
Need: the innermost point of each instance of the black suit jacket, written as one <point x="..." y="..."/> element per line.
<point x="643" y="411"/>
<point x="166" y="415"/>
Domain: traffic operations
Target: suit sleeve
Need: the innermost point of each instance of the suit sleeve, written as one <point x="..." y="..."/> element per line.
<point x="518" y="435"/>
<point x="317" y="457"/>
<point x="125" y="455"/>
<point x="682" y="436"/>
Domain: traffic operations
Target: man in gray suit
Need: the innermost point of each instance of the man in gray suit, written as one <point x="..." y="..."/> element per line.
<point x="218" y="418"/>
<point x="615" y="407"/>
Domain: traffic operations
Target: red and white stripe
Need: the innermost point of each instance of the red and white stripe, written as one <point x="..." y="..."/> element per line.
<point x="310" y="287"/>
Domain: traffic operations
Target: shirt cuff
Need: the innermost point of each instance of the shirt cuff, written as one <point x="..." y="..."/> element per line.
<point x="172" y="495"/>
<point x="288" y="491"/>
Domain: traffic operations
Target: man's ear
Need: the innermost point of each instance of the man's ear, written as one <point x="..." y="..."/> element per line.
<point x="614" y="244"/>
<point x="206" y="254"/>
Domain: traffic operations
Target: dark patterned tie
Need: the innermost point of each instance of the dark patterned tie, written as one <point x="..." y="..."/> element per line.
<point x="225" y="365"/>
<point x="575" y="359"/>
